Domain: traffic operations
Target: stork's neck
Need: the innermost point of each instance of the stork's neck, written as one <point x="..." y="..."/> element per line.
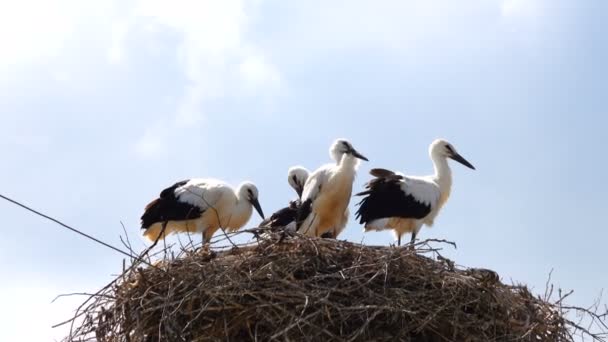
<point x="443" y="173"/>
<point x="242" y="212"/>
<point x="348" y="164"/>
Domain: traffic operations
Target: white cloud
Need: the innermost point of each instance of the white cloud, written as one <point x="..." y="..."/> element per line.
<point x="518" y="8"/>
<point x="61" y="76"/>
<point x="116" y="52"/>
<point x="212" y="26"/>
<point x="257" y="72"/>
<point x="31" y="30"/>
<point x="190" y="111"/>
<point x="214" y="53"/>
<point x="153" y="143"/>
<point x="212" y="46"/>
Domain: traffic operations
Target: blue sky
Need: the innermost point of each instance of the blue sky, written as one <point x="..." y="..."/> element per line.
<point x="104" y="103"/>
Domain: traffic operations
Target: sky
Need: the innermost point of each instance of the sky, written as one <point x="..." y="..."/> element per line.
<point x="106" y="103"/>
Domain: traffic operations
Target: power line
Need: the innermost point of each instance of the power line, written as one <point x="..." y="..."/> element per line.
<point x="72" y="229"/>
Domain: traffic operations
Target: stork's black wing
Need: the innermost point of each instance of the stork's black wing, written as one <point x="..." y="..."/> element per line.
<point x="168" y="208"/>
<point x="303" y="211"/>
<point x="386" y="198"/>
<point x="384" y="173"/>
<point x="283" y="217"/>
<point x="170" y="191"/>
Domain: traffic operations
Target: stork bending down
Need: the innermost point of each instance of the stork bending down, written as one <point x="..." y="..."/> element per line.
<point x="199" y="205"/>
<point x="297" y="177"/>
<point x="406" y="203"/>
<point x="327" y="192"/>
<point x="286" y="217"/>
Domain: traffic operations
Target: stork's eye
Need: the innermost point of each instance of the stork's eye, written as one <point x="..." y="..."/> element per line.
<point x="449" y="148"/>
<point x="295" y="179"/>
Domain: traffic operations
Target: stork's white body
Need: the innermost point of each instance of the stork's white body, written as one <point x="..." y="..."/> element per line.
<point x="330" y="188"/>
<point x="406" y="203"/>
<point x="328" y="192"/>
<point x="297" y="177"/>
<point x="427" y="190"/>
<point x="218" y="203"/>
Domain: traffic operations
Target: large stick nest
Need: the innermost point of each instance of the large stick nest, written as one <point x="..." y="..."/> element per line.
<point x="303" y="289"/>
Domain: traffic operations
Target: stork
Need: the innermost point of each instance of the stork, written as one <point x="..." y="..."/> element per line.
<point x="200" y="205"/>
<point x="286" y="217"/>
<point x="327" y="192"/>
<point x="406" y="203"/>
<point x="297" y="177"/>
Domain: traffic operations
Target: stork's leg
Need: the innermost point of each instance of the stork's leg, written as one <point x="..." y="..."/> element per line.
<point x="204" y="242"/>
<point x="413" y="240"/>
<point x="307" y="229"/>
<point x="207" y="235"/>
<point x="398" y="239"/>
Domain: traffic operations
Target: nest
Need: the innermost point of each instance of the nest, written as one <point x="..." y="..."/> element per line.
<point x="306" y="289"/>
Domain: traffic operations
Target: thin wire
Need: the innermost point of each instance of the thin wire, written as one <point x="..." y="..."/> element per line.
<point x="72" y="229"/>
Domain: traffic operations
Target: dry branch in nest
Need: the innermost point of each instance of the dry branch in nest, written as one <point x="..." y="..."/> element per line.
<point x="306" y="289"/>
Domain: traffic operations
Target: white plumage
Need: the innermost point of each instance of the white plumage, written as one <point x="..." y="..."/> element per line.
<point x="327" y="192"/>
<point x="200" y="205"/>
<point x="406" y="203"/>
<point x="297" y="177"/>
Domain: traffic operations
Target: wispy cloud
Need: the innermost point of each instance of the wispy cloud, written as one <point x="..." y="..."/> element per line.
<point x="189" y="110"/>
<point x="257" y="72"/>
<point x="215" y="53"/>
<point x="518" y="8"/>
<point x="152" y="144"/>
<point x="116" y="51"/>
<point x="31" y="30"/>
<point x="213" y="44"/>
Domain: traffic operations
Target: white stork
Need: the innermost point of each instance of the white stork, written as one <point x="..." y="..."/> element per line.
<point x="297" y="177"/>
<point x="406" y="203"/>
<point x="286" y="217"/>
<point x="199" y="205"/>
<point x="327" y="192"/>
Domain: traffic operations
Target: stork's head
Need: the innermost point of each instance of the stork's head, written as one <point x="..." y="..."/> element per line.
<point x="343" y="147"/>
<point x="249" y="192"/>
<point x="441" y="148"/>
<point x="297" y="176"/>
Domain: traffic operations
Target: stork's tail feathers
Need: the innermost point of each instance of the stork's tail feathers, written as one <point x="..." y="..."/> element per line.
<point x="167" y="210"/>
<point x="160" y="211"/>
<point x="155" y="230"/>
<point x="376" y="225"/>
<point x="153" y="233"/>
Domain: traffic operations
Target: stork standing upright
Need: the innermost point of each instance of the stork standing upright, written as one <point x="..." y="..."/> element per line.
<point x="406" y="203"/>
<point x="327" y="192"/>
<point x="286" y="217"/>
<point x="200" y="205"/>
